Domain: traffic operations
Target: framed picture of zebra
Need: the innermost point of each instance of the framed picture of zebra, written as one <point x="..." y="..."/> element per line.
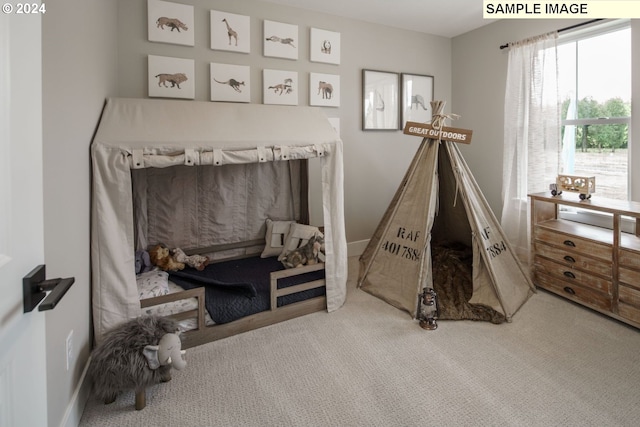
<point x="280" y="87"/>
<point x="417" y="94"/>
<point x="380" y="100"/>
<point x="170" y="22"/>
<point x="280" y="40"/>
<point x="171" y="77"/>
<point x="230" y="32"/>
<point x="324" y="90"/>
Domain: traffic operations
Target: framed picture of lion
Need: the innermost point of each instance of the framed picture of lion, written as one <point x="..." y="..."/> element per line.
<point x="171" y="77"/>
<point x="417" y="94"/>
<point x="170" y="22"/>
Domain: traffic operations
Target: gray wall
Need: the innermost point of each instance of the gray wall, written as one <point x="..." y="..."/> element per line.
<point x="79" y="72"/>
<point x="374" y="161"/>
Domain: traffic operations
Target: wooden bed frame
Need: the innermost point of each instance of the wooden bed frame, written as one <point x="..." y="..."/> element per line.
<point x="203" y="334"/>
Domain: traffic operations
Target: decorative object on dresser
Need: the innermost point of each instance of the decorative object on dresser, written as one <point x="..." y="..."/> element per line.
<point x="598" y="267"/>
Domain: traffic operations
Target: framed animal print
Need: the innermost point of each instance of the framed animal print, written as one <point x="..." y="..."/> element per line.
<point x="324" y="46"/>
<point x="280" y="40"/>
<point x="380" y="98"/>
<point x="171" y="77"/>
<point x="280" y="87"/>
<point x="324" y="90"/>
<point x="230" y="82"/>
<point x="170" y="22"/>
<point x="230" y="32"/>
<point x="417" y="94"/>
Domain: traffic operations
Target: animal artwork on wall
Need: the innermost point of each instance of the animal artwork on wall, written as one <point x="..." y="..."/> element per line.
<point x="324" y="46"/>
<point x="324" y="90"/>
<point x="171" y="77"/>
<point x="230" y="83"/>
<point x="170" y="22"/>
<point x="280" y="40"/>
<point x="230" y="32"/>
<point x="280" y="87"/>
<point x="417" y="94"/>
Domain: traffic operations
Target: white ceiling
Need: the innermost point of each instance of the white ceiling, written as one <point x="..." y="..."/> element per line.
<point x="447" y="18"/>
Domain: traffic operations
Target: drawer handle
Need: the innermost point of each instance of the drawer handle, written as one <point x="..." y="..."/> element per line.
<point x="569" y="258"/>
<point x="569" y="274"/>
<point x="569" y="243"/>
<point x="569" y="290"/>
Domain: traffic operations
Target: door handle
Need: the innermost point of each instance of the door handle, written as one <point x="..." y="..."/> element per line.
<point x="35" y="288"/>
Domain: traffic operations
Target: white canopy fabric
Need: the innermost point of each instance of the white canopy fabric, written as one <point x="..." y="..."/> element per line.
<point x="151" y="133"/>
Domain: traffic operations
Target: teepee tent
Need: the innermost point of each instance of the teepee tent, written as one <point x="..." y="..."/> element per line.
<point x="439" y="201"/>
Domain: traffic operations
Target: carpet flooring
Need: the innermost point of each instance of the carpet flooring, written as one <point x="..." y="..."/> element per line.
<point x="369" y="364"/>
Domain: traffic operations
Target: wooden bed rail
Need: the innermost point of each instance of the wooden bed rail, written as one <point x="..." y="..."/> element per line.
<point x="203" y="333"/>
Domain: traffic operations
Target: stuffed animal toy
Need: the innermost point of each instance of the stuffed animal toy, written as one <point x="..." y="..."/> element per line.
<point x="135" y="355"/>
<point x="161" y="257"/>
<point x="199" y="262"/>
<point x="311" y="253"/>
<point x="143" y="262"/>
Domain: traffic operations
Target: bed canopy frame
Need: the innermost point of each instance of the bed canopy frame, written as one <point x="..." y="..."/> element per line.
<point x="136" y="134"/>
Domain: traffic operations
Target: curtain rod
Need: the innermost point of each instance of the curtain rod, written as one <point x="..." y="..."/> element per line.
<point x="506" y="45"/>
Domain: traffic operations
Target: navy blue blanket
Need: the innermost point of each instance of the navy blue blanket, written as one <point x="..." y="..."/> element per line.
<point x="239" y="288"/>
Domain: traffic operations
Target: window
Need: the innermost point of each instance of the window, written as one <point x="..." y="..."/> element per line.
<point x="594" y="68"/>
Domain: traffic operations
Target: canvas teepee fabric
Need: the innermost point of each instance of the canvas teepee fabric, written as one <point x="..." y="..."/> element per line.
<point x="439" y="201"/>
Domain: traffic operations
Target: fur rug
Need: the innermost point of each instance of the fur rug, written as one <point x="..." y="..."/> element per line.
<point x="452" y="281"/>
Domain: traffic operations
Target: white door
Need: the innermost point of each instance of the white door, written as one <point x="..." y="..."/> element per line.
<point x="23" y="391"/>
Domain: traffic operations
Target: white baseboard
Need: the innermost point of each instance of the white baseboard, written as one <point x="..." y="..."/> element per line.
<point x="357" y="248"/>
<point x="78" y="400"/>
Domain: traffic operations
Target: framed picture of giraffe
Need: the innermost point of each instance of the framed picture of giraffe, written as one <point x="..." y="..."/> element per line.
<point x="170" y="22"/>
<point x="280" y="40"/>
<point x="230" y="32"/>
<point x="417" y="94"/>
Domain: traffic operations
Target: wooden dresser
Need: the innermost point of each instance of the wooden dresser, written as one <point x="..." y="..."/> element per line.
<point x="598" y="267"/>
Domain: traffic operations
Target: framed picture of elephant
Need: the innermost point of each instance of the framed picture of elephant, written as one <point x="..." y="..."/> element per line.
<point x="417" y="94"/>
<point x="170" y="22"/>
<point x="324" y="90"/>
<point x="380" y="100"/>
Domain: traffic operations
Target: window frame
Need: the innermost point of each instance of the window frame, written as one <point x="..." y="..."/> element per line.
<point x="590" y="217"/>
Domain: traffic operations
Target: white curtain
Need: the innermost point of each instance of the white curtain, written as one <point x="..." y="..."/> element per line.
<point x="531" y="133"/>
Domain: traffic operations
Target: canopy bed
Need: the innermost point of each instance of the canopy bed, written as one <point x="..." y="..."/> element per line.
<point x="208" y="177"/>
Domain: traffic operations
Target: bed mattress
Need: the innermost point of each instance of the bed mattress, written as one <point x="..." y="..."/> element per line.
<point x="239" y="288"/>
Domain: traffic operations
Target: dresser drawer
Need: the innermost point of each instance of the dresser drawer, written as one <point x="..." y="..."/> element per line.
<point x="629" y="258"/>
<point x="572" y="275"/>
<point x="629" y="312"/>
<point x="573" y="259"/>
<point x="629" y="295"/>
<point x="573" y="243"/>
<point x="631" y="277"/>
<point x="588" y="297"/>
